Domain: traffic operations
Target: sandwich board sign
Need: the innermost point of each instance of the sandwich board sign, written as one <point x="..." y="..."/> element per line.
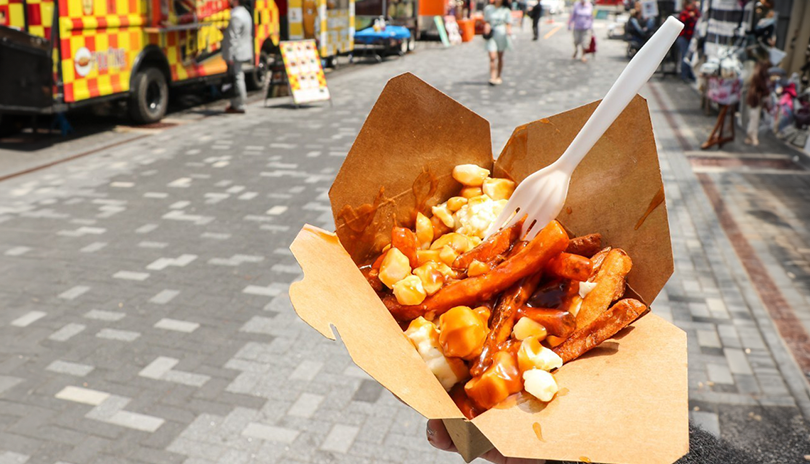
<point x="302" y="63"/>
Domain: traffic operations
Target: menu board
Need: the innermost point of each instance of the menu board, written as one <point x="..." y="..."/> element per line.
<point x="304" y="71"/>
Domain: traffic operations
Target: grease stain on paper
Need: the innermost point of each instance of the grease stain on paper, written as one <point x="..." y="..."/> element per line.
<point x="538" y="431"/>
<point x="424" y="188"/>
<point x="654" y="203"/>
<point x="358" y="220"/>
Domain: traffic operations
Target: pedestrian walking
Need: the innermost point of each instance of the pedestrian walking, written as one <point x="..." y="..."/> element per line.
<point x="536" y="13"/>
<point x="498" y="32"/>
<point x="756" y="99"/>
<point x="237" y="49"/>
<point x="581" y="22"/>
<point x="689" y="17"/>
<point x="523" y="7"/>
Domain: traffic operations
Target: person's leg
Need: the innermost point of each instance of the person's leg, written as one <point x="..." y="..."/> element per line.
<point x="753" y="124"/>
<point x="238" y="102"/>
<point x="493" y="67"/>
<point x="500" y="65"/>
<point x="786" y="118"/>
<point x="536" y="26"/>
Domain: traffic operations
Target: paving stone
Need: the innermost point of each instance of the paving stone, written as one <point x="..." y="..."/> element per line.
<point x="17" y="251"/>
<point x="305" y="405"/>
<point x="82" y="395"/>
<point x="178" y="326"/>
<point x="270" y="433"/>
<point x="707" y="421"/>
<point x="28" y="318"/>
<point x="164" y="297"/>
<point x="129" y="275"/>
<point x="120" y="335"/>
<point x="737" y="361"/>
<point x="158" y="367"/>
<point x="7" y="382"/>
<point x="340" y="438"/>
<point x="74" y="292"/>
<point x="111" y="316"/>
<point x="708" y="338"/>
<point x="719" y="373"/>
<point x="67" y="332"/>
<point x="64" y="367"/>
<point x="10" y="457"/>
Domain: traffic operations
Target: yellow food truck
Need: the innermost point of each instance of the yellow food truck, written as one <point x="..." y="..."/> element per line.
<point x="59" y="54"/>
<point x="329" y="22"/>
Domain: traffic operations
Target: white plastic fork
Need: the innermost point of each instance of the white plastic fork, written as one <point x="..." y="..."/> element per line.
<point x="541" y="196"/>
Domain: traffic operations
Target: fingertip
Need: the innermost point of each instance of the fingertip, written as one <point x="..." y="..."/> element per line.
<point x="437" y="435"/>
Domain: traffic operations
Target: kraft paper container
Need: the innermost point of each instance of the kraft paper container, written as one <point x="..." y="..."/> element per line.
<point x="623" y="402"/>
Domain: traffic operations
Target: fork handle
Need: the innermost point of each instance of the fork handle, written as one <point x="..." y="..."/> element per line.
<point x="634" y="76"/>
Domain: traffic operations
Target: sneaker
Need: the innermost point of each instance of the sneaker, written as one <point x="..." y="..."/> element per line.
<point x="232" y="110"/>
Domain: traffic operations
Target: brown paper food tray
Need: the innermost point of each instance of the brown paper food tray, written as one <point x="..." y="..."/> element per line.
<point x="625" y="401"/>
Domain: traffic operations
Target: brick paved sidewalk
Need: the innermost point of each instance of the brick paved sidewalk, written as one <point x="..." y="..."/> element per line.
<point x="145" y="311"/>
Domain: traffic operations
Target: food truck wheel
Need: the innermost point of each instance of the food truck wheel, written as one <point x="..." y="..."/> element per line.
<point x="150" y="96"/>
<point x="10" y="124"/>
<point x="255" y="80"/>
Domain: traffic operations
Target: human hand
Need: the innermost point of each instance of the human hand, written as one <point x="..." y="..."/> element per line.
<point x="438" y="437"/>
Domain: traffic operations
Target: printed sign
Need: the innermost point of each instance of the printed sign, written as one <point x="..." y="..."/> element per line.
<point x="442" y="31"/>
<point x="103" y="61"/>
<point x="451" y="27"/>
<point x="649" y="9"/>
<point x="304" y="71"/>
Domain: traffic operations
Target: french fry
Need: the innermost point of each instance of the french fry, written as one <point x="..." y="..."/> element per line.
<point x="570" y="266"/>
<point x="557" y="323"/>
<point x="550" y="242"/>
<point x="609" y="286"/>
<point x="498" y="243"/>
<point x="597" y="261"/>
<point x="439" y="227"/>
<point x="586" y="246"/>
<point x="503" y="319"/>
<point x="606" y="325"/>
<point x="405" y="241"/>
<point x="373" y="277"/>
<point x="464" y="403"/>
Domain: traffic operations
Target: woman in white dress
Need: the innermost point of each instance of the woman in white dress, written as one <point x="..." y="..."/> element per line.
<point x="498" y="17"/>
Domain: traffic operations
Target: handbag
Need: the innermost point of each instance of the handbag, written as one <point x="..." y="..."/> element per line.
<point x="487" y="35"/>
<point x="592" y="46"/>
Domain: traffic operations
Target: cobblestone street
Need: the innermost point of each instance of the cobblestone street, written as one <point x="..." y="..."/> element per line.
<point x="145" y="315"/>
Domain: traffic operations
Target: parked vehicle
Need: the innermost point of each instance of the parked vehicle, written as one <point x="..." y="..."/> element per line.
<point x="59" y="55"/>
<point x="553" y="6"/>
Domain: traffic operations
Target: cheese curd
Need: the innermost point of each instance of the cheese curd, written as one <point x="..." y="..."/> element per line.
<point x="470" y="175"/>
<point x="540" y="384"/>
<point x="525" y="328"/>
<point x="474" y="218"/>
<point x="443" y="213"/>
<point x="425" y="338"/>
<point x="394" y="267"/>
<point x="585" y="288"/>
<point x="410" y="291"/>
<point x="533" y="355"/>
